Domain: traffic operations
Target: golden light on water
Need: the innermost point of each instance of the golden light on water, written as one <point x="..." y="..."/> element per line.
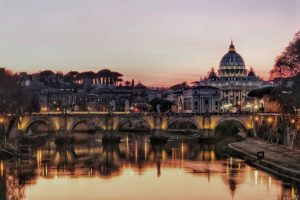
<point x="136" y="151"/>
<point x="145" y="149"/>
<point x="140" y="171"/>
<point x="256" y="176"/>
<point x="1" y="168"/>
<point x="212" y="155"/>
<point x="182" y="151"/>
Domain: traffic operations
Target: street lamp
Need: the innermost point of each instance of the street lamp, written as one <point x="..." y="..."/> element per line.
<point x="270" y="120"/>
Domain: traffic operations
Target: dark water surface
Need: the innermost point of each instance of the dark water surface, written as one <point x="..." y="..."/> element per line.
<point x="136" y="170"/>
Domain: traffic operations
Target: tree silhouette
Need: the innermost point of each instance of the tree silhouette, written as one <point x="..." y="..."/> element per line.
<point x="288" y="63"/>
<point x="165" y="105"/>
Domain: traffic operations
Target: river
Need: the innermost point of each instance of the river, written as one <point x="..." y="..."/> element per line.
<point x="134" y="170"/>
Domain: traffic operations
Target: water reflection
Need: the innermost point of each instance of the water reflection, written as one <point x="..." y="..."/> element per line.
<point x="135" y="169"/>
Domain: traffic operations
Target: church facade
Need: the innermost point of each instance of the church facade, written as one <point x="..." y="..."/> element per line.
<point x="234" y="81"/>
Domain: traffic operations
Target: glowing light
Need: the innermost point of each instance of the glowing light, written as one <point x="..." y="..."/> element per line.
<point x="45" y="170"/>
<point x="292" y="121"/>
<point x="227" y="105"/>
<point x="255" y="176"/>
<point x="212" y="155"/>
<point x="164" y="125"/>
<point x="270" y="181"/>
<point x="182" y="151"/>
<point x="39" y="157"/>
<point x="145" y="149"/>
<point x="1" y="168"/>
<point x="44" y="109"/>
<point x="136" y="153"/>
<point x="256" y="118"/>
<point x="270" y="120"/>
<point x="164" y="155"/>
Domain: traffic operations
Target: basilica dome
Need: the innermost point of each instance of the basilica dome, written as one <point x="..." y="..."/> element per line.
<point x="232" y="64"/>
<point x="232" y="58"/>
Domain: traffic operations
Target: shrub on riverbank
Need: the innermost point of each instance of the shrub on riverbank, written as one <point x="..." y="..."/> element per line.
<point x="222" y="143"/>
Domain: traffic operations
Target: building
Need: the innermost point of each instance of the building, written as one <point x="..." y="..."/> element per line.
<point x="201" y="99"/>
<point x="2" y="72"/>
<point x="234" y="82"/>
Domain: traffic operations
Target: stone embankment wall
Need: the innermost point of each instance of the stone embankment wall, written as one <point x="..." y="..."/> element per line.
<point x="272" y="164"/>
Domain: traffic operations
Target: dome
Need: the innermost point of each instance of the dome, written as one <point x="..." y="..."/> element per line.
<point x="232" y="64"/>
<point x="251" y="73"/>
<point x="212" y="74"/>
<point x="140" y="86"/>
<point x="232" y="58"/>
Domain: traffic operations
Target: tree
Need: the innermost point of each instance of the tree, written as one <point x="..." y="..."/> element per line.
<point x="127" y="83"/>
<point x="180" y="86"/>
<point x="288" y="63"/>
<point x="34" y="103"/>
<point x="165" y="105"/>
<point x="46" y="73"/>
<point x="286" y="93"/>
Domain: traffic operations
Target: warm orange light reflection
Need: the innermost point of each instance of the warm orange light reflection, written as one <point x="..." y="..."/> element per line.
<point x="139" y="170"/>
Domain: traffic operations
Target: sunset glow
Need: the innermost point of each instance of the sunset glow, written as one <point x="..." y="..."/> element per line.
<point x="158" y="43"/>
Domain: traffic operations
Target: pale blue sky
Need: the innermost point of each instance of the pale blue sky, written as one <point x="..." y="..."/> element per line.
<point x="159" y="42"/>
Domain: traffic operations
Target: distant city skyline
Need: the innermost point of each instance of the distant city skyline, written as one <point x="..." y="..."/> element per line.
<point x="160" y="43"/>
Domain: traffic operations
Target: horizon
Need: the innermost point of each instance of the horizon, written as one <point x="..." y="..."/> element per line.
<point x="157" y="43"/>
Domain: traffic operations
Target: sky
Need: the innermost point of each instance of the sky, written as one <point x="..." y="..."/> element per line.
<point x="157" y="42"/>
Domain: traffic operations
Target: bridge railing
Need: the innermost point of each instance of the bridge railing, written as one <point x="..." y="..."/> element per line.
<point x="81" y="113"/>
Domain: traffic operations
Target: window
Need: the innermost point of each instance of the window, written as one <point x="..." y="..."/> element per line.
<point x="187" y="104"/>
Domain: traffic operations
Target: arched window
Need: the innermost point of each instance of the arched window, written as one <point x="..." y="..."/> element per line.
<point x="206" y="102"/>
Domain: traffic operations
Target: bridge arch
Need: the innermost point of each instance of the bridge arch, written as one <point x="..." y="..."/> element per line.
<point x="137" y="124"/>
<point x="50" y="125"/>
<point x="230" y="126"/>
<point x="91" y="125"/>
<point x="243" y="124"/>
<point x="186" y="124"/>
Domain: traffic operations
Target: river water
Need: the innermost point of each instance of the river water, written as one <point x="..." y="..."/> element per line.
<point x="136" y="170"/>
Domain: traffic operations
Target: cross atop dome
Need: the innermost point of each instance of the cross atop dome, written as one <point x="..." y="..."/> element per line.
<point x="231" y="47"/>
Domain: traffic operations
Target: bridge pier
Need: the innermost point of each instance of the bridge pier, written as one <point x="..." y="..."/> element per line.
<point x="207" y="133"/>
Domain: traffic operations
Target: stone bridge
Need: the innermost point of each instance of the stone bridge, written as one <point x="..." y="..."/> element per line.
<point x="56" y="122"/>
<point x="204" y="124"/>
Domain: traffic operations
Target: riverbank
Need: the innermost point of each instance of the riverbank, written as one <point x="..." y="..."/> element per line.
<point x="278" y="160"/>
